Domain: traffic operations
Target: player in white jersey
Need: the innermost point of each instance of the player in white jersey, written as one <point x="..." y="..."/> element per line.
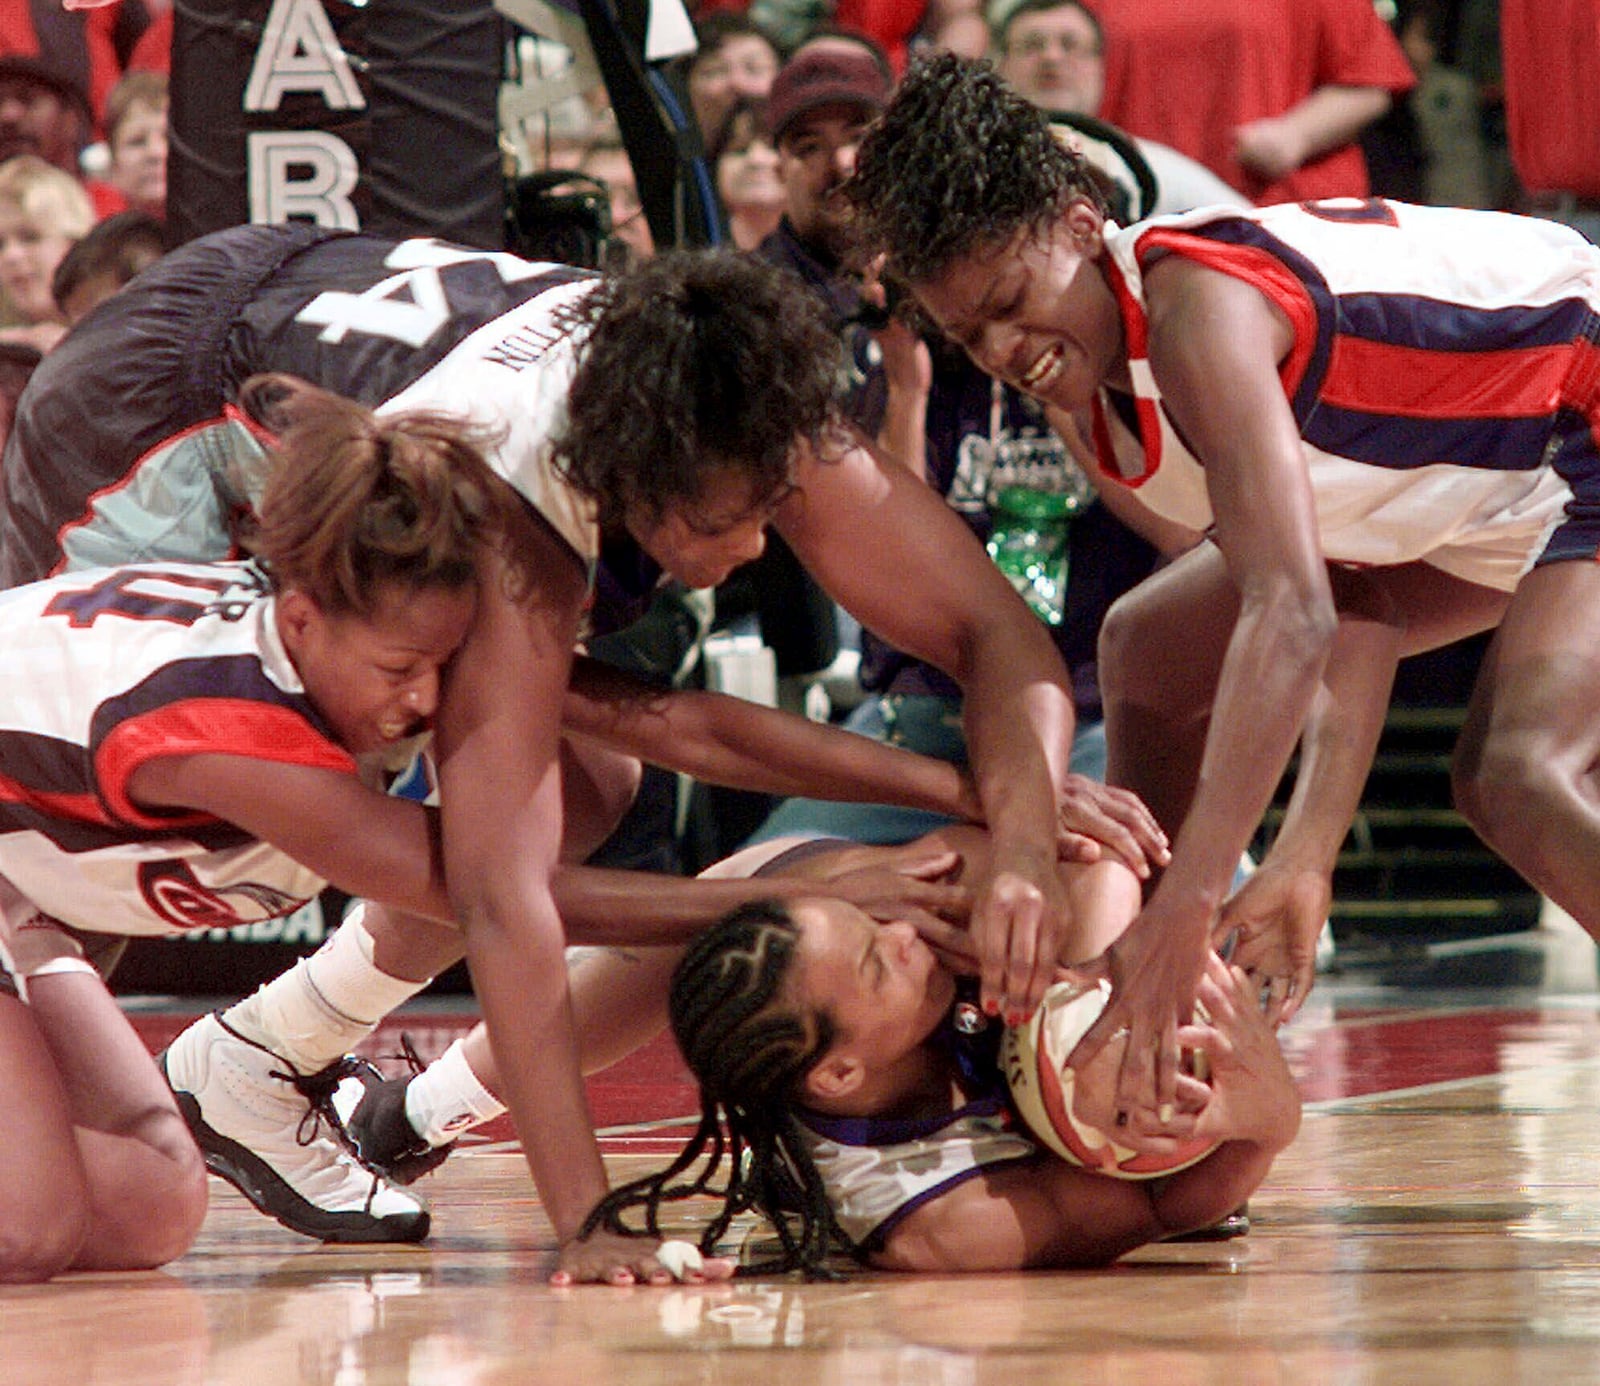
<point x="1392" y="408"/>
<point x="179" y="749"/>
<point x="868" y="1110"/>
<point x="677" y="412"/>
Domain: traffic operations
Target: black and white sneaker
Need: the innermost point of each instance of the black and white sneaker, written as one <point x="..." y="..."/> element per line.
<point x="273" y="1133"/>
<point x="383" y="1137"/>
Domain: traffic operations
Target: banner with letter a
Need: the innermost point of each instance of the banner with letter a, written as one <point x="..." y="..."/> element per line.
<point x="366" y="116"/>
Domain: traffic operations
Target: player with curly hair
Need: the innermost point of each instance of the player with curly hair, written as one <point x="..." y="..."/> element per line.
<point x="1350" y="390"/>
<point x="658" y="422"/>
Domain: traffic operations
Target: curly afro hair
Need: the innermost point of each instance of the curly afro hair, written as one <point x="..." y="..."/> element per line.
<point x="958" y="161"/>
<point x="695" y="363"/>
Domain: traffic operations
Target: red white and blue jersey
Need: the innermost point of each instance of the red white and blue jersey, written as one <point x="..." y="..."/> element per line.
<point x="1444" y="373"/>
<point x="107" y="670"/>
<point x="129" y="446"/>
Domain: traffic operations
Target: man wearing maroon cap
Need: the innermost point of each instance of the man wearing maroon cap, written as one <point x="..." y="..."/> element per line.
<point x="56" y="67"/>
<point x="821" y="101"/>
<point x="819" y="104"/>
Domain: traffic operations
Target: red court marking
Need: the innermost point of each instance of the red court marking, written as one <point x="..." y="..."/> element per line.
<point x="1357" y="1054"/>
<point x="1368" y="1054"/>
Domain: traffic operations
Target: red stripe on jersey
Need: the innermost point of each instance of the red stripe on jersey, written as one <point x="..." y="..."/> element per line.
<point x="1376" y="378"/>
<point x="209" y="726"/>
<point x="1261" y="270"/>
<point x="1136" y="344"/>
<point x="257" y="430"/>
<point x="77" y="808"/>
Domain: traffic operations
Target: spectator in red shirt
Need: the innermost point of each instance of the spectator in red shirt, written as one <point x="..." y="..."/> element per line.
<point x="1270" y="95"/>
<point x="1553" y="107"/>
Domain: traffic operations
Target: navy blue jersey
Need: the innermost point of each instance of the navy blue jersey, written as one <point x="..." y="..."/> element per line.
<point x="128" y="445"/>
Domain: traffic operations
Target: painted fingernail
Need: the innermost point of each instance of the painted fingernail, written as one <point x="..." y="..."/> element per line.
<point x="1015" y="1017"/>
<point x="991" y="1008"/>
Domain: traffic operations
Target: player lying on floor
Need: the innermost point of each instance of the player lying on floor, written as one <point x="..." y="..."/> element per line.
<point x="870" y="1098"/>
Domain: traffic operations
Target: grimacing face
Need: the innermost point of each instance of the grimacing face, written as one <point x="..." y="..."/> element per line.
<point x="376" y="678"/>
<point x="1037" y="310"/>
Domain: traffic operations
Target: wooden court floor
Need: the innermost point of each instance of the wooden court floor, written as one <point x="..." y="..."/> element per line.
<point x="1438" y="1220"/>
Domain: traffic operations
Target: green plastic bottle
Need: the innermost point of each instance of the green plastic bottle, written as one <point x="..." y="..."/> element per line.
<point x="1029" y="545"/>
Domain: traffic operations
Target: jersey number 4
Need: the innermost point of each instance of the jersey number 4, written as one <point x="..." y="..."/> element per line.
<point x="410" y="305"/>
<point x="144" y="594"/>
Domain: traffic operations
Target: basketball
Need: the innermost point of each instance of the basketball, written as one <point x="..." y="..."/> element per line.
<point x="1033" y="1057"/>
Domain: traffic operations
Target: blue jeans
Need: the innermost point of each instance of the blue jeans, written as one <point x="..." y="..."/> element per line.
<point x="922" y="723"/>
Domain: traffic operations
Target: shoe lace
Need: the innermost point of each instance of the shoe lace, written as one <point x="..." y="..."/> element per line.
<point x="414" y="1062"/>
<point x="408" y="1052"/>
<point x="318" y="1089"/>
<point x="397" y="1149"/>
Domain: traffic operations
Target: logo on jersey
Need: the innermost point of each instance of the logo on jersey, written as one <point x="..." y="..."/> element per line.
<point x="177" y="895"/>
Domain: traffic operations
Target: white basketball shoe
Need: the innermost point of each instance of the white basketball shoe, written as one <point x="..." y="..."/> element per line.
<point x="272" y="1132"/>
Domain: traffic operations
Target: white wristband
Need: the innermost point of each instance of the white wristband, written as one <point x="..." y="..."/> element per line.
<point x="51" y="966"/>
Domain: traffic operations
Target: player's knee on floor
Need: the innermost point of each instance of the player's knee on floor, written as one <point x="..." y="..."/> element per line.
<point x="40" y="1237"/>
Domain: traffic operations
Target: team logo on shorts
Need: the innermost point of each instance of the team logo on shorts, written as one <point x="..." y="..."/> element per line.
<point x="175" y="893"/>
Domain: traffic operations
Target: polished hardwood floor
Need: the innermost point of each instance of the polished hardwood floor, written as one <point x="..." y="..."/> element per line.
<point x="1438" y="1220"/>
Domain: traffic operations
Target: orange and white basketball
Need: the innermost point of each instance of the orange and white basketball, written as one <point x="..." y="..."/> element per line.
<point x="1033" y="1057"/>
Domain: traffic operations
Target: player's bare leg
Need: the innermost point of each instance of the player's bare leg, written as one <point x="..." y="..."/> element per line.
<point x="99" y="1170"/>
<point x="1526" y="766"/>
<point x="1160" y="656"/>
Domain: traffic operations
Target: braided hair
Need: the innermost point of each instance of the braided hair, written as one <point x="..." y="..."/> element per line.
<point x="750" y="1050"/>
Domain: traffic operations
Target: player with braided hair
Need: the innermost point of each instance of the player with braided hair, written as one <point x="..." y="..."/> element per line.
<point x="658" y="423"/>
<point x="853" y="1095"/>
<point x="749" y="1058"/>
